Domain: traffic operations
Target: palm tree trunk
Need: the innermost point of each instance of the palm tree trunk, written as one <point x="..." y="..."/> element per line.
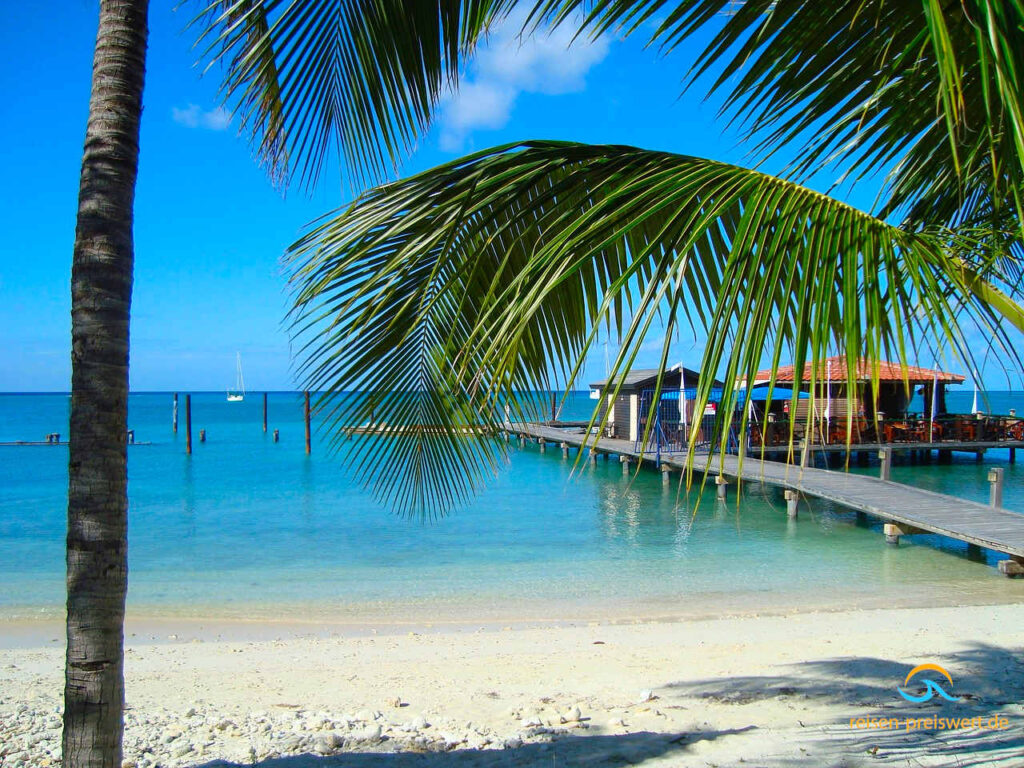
<point x="101" y="288"/>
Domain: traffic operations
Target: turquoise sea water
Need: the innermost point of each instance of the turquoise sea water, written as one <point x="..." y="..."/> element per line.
<point x="246" y="527"/>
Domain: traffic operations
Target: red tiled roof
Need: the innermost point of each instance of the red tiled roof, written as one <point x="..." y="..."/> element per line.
<point x="887" y="371"/>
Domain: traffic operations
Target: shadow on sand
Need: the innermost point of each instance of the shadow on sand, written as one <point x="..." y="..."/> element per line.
<point x="988" y="680"/>
<point x="600" y="750"/>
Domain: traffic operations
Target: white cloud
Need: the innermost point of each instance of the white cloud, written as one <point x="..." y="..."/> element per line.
<point x="506" y="65"/>
<point x="192" y="116"/>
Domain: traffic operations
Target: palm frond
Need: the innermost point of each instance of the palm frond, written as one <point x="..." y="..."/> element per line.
<point x="357" y="78"/>
<point x="929" y="88"/>
<point x="517" y="257"/>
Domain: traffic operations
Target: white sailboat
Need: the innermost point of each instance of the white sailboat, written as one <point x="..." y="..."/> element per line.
<point x="237" y="394"/>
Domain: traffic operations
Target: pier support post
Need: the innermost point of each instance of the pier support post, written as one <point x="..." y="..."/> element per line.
<point x="188" y="424"/>
<point x="722" y="488"/>
<point x="565" y="450"/>
<point x="995" y="493"/>
<point x="1012" y="567"/>
<point x="1013" y="455"/>
<point x="666" y="474"/>
<point x="625" y="461"/>
<point x="264" y="411"/>
<point x="305" y="410"/>
<point x="893" y="531"/>
<point x="542" y="444"/>
<point x="522" y="441"/>
<point x="174" y="414"/>
<point x="792" y="501"/>
<point x="593" y="457"/>
<point x="892" y="534"/>
<point x="202" y="435"/>
<point x="885" y="455"/>
<point x="277" y="435"/>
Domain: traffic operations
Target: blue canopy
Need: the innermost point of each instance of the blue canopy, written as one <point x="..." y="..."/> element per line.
<point x="761" y="393"/>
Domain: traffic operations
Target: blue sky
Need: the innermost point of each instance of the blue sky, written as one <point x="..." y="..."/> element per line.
<point x="210" y="228"/>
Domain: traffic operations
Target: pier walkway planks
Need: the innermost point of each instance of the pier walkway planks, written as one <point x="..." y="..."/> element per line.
<point x="1000" y="530"/>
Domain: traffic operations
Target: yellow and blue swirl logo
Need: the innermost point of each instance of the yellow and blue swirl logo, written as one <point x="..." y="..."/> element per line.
<point x="931" y="687"/>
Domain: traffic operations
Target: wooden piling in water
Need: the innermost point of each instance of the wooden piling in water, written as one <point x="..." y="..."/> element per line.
<point x="1012" y="567"/>
<point x="792" y="503"/>
<point x="885" y="471"/>
<point x="174" y="414"/>
<point x="305" y="409"/>
<point x="995" y="494"/>
<point x="264" y="411"/>
<point x="188" y="424"/>
<point x="277" y="435"/>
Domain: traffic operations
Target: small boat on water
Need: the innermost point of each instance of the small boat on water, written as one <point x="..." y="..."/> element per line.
<point x="237" y="394"/>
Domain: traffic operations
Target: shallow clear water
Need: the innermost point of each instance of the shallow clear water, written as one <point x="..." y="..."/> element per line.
<point x="248" y="527"/>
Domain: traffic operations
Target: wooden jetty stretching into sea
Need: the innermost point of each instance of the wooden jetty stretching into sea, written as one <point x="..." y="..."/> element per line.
<point x="903" y="509"/>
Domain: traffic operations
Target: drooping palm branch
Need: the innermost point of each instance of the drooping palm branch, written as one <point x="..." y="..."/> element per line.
<point x="359" y="79"/>
<point x="474" y="279"/>
<point x="931" y="89"/>
<point x="451" y="292"/>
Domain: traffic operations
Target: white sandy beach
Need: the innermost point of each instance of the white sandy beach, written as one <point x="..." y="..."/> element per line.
<point x="774" y="690"/>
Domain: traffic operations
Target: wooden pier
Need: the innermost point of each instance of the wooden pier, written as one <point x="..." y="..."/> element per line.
<point x="904" y="510"/>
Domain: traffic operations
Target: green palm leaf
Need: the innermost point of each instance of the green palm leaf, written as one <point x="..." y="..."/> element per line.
<point x="929" y="88"/>
<point x="361" y="78"/>
<point x="515" y="259"/>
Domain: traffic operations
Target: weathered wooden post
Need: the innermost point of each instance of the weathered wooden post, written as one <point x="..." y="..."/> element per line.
<point x="792" y="502"/>
<point x="522" y="441"/>
<point x="188" y="424"/>
<point x="625" y="461"/>
<point x="174" y="414"/>
<point x="995" y="493"/>
<point x="886" y="469"/>
<point x="277" y="435"/>
<point x="1012" y="567"/>
<point x="666" y="474"/>
<point x="593" y="457"/>
<point x="264" y="411"/>
<point x="305" y="409"/>
<point x="892" y="534"/>
<point x="202" y="435"/>
<point x="542" y="444"/>
<point x="722" y="488"/>
<point x="565" y="450"/>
